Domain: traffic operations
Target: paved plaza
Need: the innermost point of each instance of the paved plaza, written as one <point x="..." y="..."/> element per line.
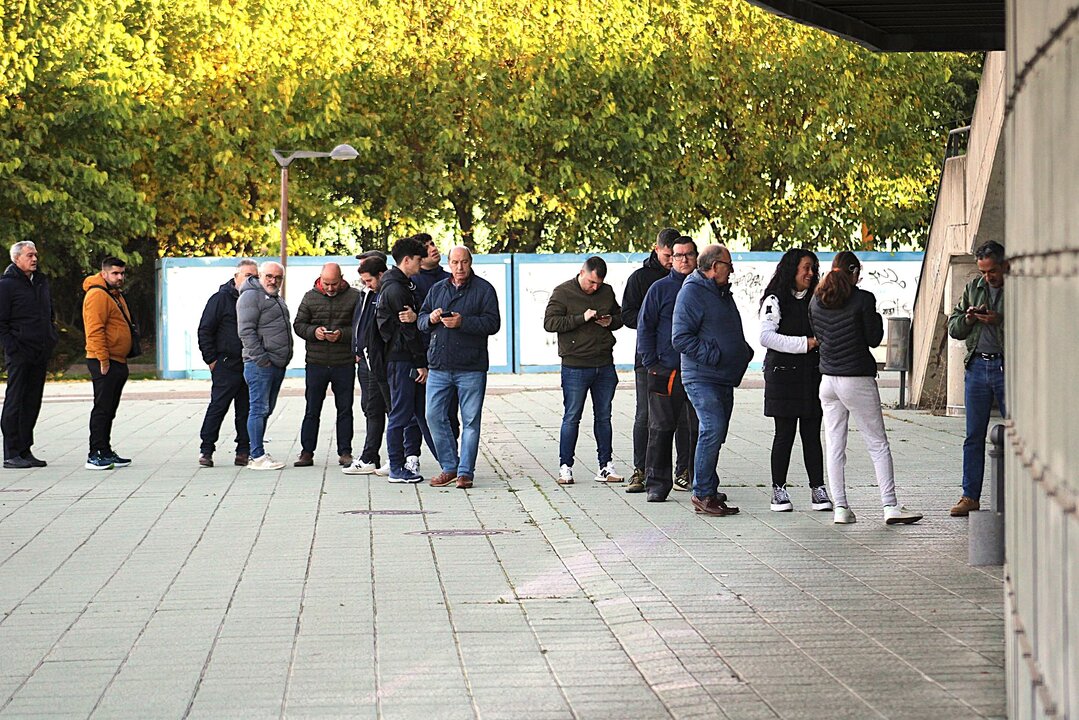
<point x="164" y="590"/>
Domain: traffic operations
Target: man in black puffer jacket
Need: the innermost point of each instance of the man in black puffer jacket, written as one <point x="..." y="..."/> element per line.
<point x="222" y="351"/>
<point x="28" y="336"/>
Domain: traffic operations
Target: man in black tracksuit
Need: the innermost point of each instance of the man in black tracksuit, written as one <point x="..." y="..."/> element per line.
<point x="28" y="336"/>
<point x="222" y="351"/>
<point x="655" y="268"/>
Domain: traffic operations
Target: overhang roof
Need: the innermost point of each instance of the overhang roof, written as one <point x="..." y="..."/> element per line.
<point x="902" y="25"/>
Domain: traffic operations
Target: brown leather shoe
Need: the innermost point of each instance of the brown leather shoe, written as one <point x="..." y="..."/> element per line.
<point x="712" y="506"/>
<point x="443" y="479"/>
<point x="306" y="460"/>
<point x="964" y="506"/>
<point x="242" y="459"/>
<point x="344" y="459"/>
<point x="206" y="460"/>
<point x="464" y="482"/>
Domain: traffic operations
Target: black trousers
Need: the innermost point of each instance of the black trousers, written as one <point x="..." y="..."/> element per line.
<point x="812" y="453"/>
<point x="107" y="391"/>
<point x="375" y="403"/>
<point x="22" y="405"/>
<point x="319" y="378"/>
<point x="228" y="387"/>
<point x="641" y="428"/>
<point x="668" y="415"/>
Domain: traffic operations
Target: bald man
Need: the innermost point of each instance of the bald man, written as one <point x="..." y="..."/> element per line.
<point x="262" y="321"/>
<point x="324" y="321"/>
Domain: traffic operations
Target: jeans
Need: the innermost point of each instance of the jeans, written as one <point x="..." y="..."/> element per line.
<point x="714" y="404"/>
<point x="668" y="415"/>
<point x="446" y="389"/>
<point x="374" y="402"/>
<point x="228" y="387"/>
<point x="783" y="444"/>
<point x="107" y="391"/>
<point x="263" y="384"/>
<point x="642" y="428"/>
<point x="407" y="401"/>
<point x="22" y="405"/>
<point x="319" y="377"/>
<point x="577" y="383"/>
<point x="841" y="397"/>
<point x="983" y="382"/>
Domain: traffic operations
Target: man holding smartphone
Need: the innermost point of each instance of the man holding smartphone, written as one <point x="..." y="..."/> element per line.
<point x="324" y="321"/>
<point x="978" y="319"/>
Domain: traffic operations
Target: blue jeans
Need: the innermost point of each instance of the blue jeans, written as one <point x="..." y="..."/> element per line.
<point x="263" y="384"/>
<point x="984" y="381"/>
<point x="319" y="377"/>
<point x="576" y="384"/>
<point x="445" y="388"/>
<point x="406" y="409"/>
<point x="714" y="404"/>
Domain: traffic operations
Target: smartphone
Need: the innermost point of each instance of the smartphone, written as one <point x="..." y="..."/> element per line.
<point x="414" y="375"/>
<point x="603" y="317"/>
<point x="449" y="314"/>
<point x="980" y="311"/>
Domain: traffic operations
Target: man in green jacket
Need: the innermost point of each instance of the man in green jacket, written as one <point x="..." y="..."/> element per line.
<point x="324" y="320"/>
<point x="585" y="314"/>
<point x="978" y="319"/>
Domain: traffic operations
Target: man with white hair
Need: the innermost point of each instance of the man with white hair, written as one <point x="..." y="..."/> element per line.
<point x="262" y="320"/>
<point x="28" y="337"/>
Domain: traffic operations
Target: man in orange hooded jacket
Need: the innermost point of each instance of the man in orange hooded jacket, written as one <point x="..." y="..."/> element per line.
<point x="109" y="338"/>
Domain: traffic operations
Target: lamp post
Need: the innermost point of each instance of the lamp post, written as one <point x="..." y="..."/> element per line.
<point x="341" y="152"/>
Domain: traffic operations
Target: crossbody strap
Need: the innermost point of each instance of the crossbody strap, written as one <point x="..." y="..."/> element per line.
<point x="119" y="306"/>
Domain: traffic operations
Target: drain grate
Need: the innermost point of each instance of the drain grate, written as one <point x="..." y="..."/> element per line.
<point x="463" y="532"/>
<point x="388" y="512"/>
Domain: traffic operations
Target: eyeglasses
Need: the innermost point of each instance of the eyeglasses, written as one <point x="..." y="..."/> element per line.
<point x="684" y="256"/>
<point x="275" y="278"/>
<point x="724" y="262"/>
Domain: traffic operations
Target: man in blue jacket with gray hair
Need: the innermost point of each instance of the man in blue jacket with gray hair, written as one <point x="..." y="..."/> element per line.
<point x="461" y="314"/>
<point x="707" y="331"/>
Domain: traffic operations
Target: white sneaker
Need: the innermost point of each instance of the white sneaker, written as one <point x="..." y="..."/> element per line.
<point x="843" y="516"/>
<point x="359" y="467"/>
<point x="608" y="475"/>
<point x="565" y="475"/>
<point x="264" y="462"/>
<point x="412" y="464"/>
<point x="895" y="514"/>
<point x="383" y="471"/>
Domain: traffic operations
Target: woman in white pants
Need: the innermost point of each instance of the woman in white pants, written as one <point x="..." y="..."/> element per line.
<point x="846" y="324"/>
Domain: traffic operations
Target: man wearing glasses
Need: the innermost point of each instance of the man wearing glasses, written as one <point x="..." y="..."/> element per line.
<point x="669" y="411"/>
<point x="263" y="322"/>
<point x="707" y="331"/>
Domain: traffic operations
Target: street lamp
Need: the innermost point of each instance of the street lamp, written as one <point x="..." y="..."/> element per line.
<point x="341" y="152"/>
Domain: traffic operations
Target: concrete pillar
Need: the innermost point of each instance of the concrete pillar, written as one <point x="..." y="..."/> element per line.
<point x="960" y="270"/>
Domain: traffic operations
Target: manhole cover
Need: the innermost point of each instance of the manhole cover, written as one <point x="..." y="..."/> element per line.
<point x="388" y="512"/>
<point x="462" y="531"/>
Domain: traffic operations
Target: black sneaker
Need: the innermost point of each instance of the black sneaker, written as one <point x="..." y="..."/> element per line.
<point x="17" y="463"/>
<point x="36" y="462"/>
<point x="681" y="481"/>
<point x="116" y="460"/>
<point x="98" y="460"/>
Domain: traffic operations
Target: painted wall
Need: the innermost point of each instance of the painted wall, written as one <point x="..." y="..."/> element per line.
<point x="523" y="284"/>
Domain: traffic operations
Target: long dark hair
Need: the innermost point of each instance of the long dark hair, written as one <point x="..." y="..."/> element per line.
<point x="783" y="278"/>
<point x="836" y="287"/>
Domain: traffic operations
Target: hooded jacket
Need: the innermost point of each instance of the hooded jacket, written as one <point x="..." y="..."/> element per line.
<point x="317" y="309"/>
<point x="846" y="333"/>
<point x="403" y="340"/>
<point x="707" y="331"/>
<point x="262" y="321"/>
<point x="219" y="339"/>
<point x="582" y="343"/>
<point x="654" y="324"/>
<point x="637" y="287"/>
<point x="27" y="331"/>
<point x="108" y="335"/>
<point x="465" y="347"/>
<point x="426" y="279"/>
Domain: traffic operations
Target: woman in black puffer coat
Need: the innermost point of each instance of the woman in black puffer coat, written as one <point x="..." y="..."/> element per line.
<point x="846" y="323"/>
<point x="792" y="375"/>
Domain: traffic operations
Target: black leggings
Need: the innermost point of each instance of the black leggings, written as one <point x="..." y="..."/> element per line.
<point x="812" y="453"/>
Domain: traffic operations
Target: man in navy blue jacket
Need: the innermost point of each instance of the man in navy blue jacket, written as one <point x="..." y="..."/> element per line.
<point x="28" y="336"/>
<point x="668" y="408"/>
<point x="707" y="331"/>
<point x="222" y="351"/>
<point x="461" y="313"/>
